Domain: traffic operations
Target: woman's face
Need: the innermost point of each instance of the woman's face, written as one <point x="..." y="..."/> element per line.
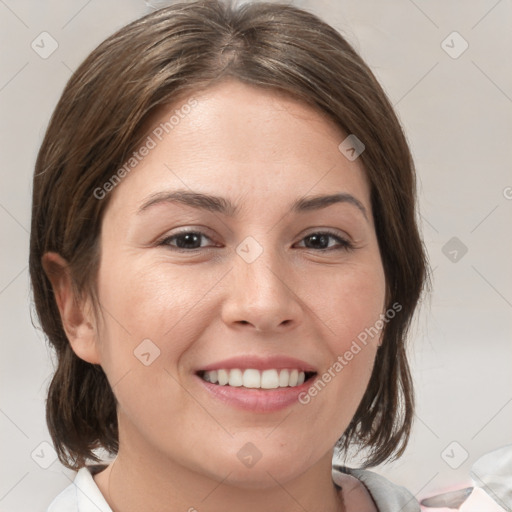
<point x="256" y="287"/>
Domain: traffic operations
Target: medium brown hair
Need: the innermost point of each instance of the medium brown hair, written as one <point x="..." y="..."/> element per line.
<point x="99" y="121"/>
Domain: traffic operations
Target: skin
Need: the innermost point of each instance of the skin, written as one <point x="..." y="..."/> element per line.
<point x="178" y="445"/>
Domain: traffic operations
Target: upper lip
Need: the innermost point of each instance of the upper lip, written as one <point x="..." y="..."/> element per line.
<point x="277" y="362"/>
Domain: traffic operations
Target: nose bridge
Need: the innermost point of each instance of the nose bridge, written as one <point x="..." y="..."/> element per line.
<point x="258" y="267"/>
<point x="260" y="293"/>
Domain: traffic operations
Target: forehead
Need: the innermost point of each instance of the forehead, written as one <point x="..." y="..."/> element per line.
<point x="244" y="142"/>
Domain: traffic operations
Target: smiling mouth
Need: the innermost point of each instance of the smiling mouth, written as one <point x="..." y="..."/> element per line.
<point x="255" y="379"/>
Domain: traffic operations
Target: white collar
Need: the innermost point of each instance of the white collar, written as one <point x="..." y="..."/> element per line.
<point x="83" y="494"/>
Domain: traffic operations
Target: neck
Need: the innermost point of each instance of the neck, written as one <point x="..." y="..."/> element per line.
<point x="144" y="479"/>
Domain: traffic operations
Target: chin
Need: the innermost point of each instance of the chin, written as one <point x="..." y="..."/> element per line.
<point x="259" y="478"/>
<point x="249" y="469"/>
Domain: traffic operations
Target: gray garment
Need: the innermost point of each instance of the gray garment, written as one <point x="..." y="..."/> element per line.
<point x="388" y="496"/>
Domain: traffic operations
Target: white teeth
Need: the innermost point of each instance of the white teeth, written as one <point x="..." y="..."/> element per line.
<point x="235" y="378"/>
<point x="269" y="379"/>
<point x="222" y="376"/>
<point x="211" y="376"/>
<point x="251" y="378"/>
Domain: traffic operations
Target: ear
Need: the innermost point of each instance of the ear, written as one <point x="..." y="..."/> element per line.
<point x="76" y="315"/>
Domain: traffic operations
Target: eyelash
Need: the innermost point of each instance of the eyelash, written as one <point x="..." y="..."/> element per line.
<point x="345" y="245"/>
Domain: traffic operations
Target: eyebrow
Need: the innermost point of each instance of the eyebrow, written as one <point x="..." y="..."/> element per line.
<point x="217" y="204"/>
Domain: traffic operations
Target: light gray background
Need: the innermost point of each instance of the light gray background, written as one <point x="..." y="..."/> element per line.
<point x="457" y="115"/>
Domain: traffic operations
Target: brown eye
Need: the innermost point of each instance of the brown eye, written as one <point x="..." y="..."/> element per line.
<point x="320" y="241"/>
<point x="186" y="240"/>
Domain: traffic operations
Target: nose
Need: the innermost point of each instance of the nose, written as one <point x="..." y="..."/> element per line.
<point x="262" y="294"/>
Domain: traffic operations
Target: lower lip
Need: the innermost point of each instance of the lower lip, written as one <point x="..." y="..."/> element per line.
<point x="257" y="400"/>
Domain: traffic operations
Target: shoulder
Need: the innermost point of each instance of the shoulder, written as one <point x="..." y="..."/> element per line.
<point x="83" y="495"/>
<point x="387" y="496"/>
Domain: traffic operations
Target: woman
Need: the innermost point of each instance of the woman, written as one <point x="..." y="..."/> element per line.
<point x="225" y="257"/>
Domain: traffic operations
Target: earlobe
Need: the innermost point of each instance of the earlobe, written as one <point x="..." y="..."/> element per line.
<point x="76" y="314"/>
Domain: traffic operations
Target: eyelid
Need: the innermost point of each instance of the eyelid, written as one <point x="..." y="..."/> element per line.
<point x="325" y="231"/>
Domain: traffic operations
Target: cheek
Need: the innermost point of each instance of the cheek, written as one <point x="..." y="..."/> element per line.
<point x="350" y="303"/>
<point x="147" y="308"/>
<point x="147" y="326"/>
